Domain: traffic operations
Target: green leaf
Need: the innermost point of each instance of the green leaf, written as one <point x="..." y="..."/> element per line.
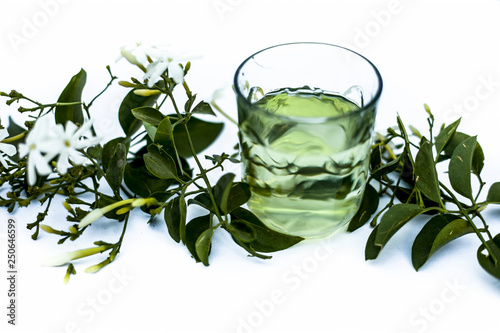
<point x="72" y="93"/>
<point x="108" y="150"/>
<point x="116" y="166"/>
<point x="203" y="245"/>
<point x="439" y="231"/>
<point x="368" y="207"/>
<point x="266" y="240"/>
<point x="203" y="108"/>
<point x="142" y="183"/>
<point x="203" y="200"/>
<point x="129" y="123"/>
<point x="490" y="261"/>
<point x="405" y="195"/>
<point x="148" y="114"/>
<point x="222" y="190"/>
<point x="175" y="217"/>
<point x="194" y="229"/>
<point x="372" y="250"/>
<point x="150" y="130"/>
<point x="164" y="137"/>
<point x="392" y="220"/>
<point x="238" y="195"/>
<point x="460" y="167"/>
<point x="243" y="231"/>
<point x="387" y="168"/>
<point x="202" y="133"/>
<point x="426" y="177"/>
<point x="376" y="157"/>
<point x="445" y="135"/>
<point x="477" y="158"/>
<point x="160" y="164"/>
<point x="494" y="193"/>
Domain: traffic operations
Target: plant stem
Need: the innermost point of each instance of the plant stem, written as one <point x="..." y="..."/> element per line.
<point x="466" y="215"/>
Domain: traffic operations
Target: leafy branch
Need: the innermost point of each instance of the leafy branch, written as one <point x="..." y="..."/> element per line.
<point x="154" y="166"/>
<point x="415" y="184"/>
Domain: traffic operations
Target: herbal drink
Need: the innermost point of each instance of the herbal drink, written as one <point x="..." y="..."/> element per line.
<point x="306" y="113"/>
<point x="306" y="159"/>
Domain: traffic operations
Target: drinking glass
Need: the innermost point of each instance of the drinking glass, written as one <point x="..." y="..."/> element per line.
<point x="306" y="113"/>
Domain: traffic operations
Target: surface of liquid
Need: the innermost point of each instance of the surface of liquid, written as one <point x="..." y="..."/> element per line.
<point x="305" y="156"/>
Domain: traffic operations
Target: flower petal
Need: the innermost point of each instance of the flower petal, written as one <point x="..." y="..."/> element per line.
<point x="176" y="72"/>
<point x="8" y="148"/>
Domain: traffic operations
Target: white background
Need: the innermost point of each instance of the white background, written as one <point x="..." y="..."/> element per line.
<point x="443" y="53"/>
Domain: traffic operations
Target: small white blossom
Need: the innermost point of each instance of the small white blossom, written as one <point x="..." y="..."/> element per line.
<point x="155" y="70"/>
<point x="70" y="141"/>
<point x="5" y="148"/>
<point x="44" y="142"/>
<point x="157" y="60"/>
<point x="138" y="53"/>
<point x="41" y="148"/>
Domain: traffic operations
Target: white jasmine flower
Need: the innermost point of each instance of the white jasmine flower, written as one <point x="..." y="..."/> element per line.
<point x="157" y="60"/>
<point x="40" y="148"/>
<point x="70" y="141"/>
<point x="138" y="54"/>
<point x="155" y="70"/>
<point x="5" y="148"/>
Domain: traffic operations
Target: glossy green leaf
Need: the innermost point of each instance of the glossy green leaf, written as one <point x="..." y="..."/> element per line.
<point x="222" y="190"/>
<point x="403" y="195"/>
<point x="203" y="245"/>
<point x="445" y="135"/>
<point x="203" y="108"/>
<point x="150" y="130"/>
<point x="238" y="195"/>
<point x="116" y="166"/>
<point x="460" y="167"/>
<point x="72" y="93"/>
<point x="164" y="137"/>
<point x="490" y="261"/>
<point x="494" y="193"/>
<point x="129" y="123"/>
<point x="477" y="158"/>
<point x="392" y="220"/>
<point x="109" y="148"/>
<point x="439" y="231"/>
<point x="376" y="158"/>
<point x="203" y="200"/>
<point x="202" y="133"/>
<point x="243" y="231"/>
<point x="194" y="229"/>
<point x="175" y="218"/>
<point x="266" y="240"/>
<point x="372" y="250"/>
<point x="148" y="114"/>
<point x="160" y="164"/>
<point x="387" y="168"/>
<point x="142" y="183"/>
<point x="426" y="177"/>
<point x="368" y="207"/>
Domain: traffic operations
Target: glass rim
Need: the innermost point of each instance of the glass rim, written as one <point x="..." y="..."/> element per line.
<point x="370" y="105"/>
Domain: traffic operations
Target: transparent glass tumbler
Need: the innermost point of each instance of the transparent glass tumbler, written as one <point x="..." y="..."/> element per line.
<point x="306" y="113"/>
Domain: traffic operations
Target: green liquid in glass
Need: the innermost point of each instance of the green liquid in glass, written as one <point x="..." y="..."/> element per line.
<point x="307" y="171"/>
